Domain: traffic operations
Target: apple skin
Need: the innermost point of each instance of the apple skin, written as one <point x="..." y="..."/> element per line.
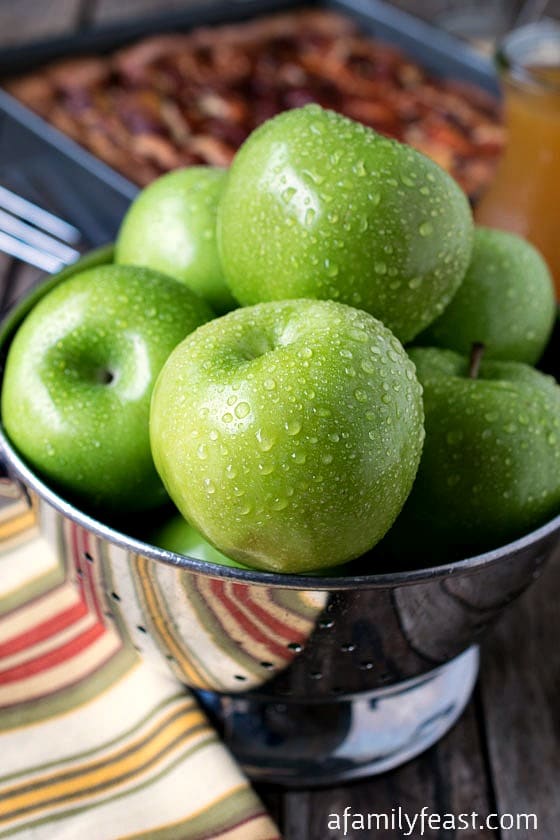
<point x="506" y="302"/>
<point x="177" y="535"/>
<point x="289" y="433"/>
<point x="319" y="206"/>
<point x="171" y="227"/>
<point x="79" y="377"/>
<point x="490" y="469"/>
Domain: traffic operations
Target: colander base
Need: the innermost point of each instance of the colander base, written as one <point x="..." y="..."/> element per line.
<point x="302" y="742"/>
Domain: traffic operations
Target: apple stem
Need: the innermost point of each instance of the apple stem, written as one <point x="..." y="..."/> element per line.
<point x="477" y="352"/>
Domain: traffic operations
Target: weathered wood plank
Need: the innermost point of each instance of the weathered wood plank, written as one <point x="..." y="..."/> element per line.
<point x="273" y="799"/>
<point x="26" y="20"/>
<point x="521" y="693"/>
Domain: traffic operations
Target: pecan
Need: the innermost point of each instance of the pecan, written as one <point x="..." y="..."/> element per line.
<point x="177" y="125"/>
<point x="489" y="137"/>
<point x="211" y="150"/>
<point x="79" y="73"/>
<point x="34" y="90"/>
<point x="135" y="62"/>
<point x="230" y="107"/>
<point x="378" y="115"/>
<point x="159" y="150"/>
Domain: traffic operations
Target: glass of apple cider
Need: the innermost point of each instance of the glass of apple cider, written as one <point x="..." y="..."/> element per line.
<point x="525" y="195"/>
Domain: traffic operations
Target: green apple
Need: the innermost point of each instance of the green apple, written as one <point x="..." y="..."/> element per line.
<point x="177" y="535"/>
<point x="490" y="470"/>
<point x="319" y="206"/>
<point x="289" y="433"/>
<point x="506" y="302"/>
<point x="79" y="378"/>
<point x="171" y="227"/>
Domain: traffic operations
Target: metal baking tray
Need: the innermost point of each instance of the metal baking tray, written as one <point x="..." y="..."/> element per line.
<point x="41" y="163"/>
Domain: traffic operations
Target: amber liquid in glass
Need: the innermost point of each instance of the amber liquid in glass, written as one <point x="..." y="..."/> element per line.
<point x="525" y="195"/>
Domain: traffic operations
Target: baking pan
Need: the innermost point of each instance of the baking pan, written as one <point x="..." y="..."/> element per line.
<point x="41" y="163"/>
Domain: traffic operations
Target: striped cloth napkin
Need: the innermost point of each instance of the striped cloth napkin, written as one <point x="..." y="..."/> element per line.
<point x="96" y="742"/>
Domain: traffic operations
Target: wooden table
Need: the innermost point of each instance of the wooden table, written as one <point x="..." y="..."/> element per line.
<point x="504" y="754"/>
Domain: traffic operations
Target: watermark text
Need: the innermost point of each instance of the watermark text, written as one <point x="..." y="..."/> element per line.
<point x="350" y="821"/>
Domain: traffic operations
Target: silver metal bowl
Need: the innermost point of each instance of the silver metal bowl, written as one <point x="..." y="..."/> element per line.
<point x="311" y="679"/>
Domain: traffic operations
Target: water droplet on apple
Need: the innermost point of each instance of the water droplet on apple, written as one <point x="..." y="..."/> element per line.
<point x="279" y="503"/>
<point x="209" y="486"/>
<point x="360" y="395"/>
<point x="327" y="459"/>
<point x="227" y="417"/>
<point x="299" y="457"/>
<point x="242" y="410"/>
<point x="426" y="229"/>
<point x="269" y="384"/>
<point x="202" y="452"/>
<point x="293" y="426"/>
<point x="264" y="440"/>
<point x="288" y="194"/>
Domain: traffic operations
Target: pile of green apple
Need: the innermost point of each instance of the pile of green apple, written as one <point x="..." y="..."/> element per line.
<point x="244" y="356"/>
